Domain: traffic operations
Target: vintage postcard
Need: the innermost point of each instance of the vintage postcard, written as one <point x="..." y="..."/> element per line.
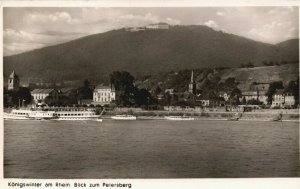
<point x="150" y="94"/>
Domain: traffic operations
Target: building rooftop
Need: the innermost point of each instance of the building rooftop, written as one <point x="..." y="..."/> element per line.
<point x="67" y="89"/>
<point x="279" y="92"/>
<point x="102" y="87"/>
<point x="41" y="91"/>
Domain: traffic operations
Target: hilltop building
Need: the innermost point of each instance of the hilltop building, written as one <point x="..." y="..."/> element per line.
<point x="39" y="95"/>
<point x="103" y="95"/>
<point x="13" y="81"/>
<point x="192" y="85"/>
<point x="158" y="26"/>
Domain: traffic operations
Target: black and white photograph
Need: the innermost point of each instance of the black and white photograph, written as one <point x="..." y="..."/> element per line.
<point x="150" y="92"/>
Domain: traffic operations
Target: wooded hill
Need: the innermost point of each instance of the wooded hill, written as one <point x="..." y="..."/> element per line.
<point x="143" y="53"/>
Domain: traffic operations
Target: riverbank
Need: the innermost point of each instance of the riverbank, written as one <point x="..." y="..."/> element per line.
<point x="244" y="116"/>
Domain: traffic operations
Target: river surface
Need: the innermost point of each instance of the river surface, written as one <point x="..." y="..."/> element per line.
<point x="150" y="149"/>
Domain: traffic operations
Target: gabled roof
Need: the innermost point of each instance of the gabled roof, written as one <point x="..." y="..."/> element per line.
<point x="279" y="92"/>
<point x="42" y="91"/>
<point x="102" y="87"/>
<point x="67" y="89"/>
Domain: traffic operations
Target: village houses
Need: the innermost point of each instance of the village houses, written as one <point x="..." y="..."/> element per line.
<point x="282" y="99"/>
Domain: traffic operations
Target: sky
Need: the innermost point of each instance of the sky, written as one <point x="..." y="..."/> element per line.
<point x="26" y="29"/>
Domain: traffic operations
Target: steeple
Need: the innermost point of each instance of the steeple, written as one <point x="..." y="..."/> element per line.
<point x="192" y="77"/>
<point x="192" y="85"/>
<point x="13" y="81"/>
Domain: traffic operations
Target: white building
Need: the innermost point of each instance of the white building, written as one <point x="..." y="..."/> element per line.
<point x="254" y="95"/>
<point x="158" y="26"/>
<point x="103" y="95"/>
<point x="289" y="100"/>
<point x="205" y="102"/>
<point x="278" y="99"/>
<point x="39" y="95"/>
<point x="225" y="95"/>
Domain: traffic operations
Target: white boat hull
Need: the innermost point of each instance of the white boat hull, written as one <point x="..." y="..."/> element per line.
<point x="68" y="118"/>
<point x="179" y="118"/>
<point x="123" y="117"/>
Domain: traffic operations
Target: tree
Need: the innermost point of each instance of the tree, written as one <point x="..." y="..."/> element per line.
<point x="22" y="96"/>
<point x="244" y="100"/>
<point x="157" y="90"/>
<point x="142" y="97"/>
<point x="272" y="89"/>
<point x="254" y="102"/>
<point x="50" y="100"/>
<point x="293" y="87"/>
<point x="249" y="65"/>
<point x="85" y="92"/>
<point x="235" y="96"/>
<point x="125" y="89"/>
<point x="168" y="99"/>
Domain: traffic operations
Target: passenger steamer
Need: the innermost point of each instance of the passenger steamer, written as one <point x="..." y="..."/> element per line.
<point x="77" y="115"/>
<point x="55" y="114"/>
<point x="24" y="114"/>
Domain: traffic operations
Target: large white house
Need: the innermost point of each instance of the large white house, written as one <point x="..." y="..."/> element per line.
<point x="39" y="95"/>
<point x="103" y="95"/>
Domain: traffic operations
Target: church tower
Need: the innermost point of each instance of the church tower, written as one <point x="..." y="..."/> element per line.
<point x="192" y="85"/>
<point x="13" y="81"/>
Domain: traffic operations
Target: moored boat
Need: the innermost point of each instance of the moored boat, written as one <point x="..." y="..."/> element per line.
<point x="278" y="117"/>
<point x="236" y="117"/>
<point x="124" y="117"/>
<point x="179" y="118"/>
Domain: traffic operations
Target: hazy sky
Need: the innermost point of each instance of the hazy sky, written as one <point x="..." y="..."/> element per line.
<point x="30" y="28"/>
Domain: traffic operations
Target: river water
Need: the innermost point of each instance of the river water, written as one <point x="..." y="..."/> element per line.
<point x="150" y="149"/>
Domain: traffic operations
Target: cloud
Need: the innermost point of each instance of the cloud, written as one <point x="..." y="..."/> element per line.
<point x="280" y="11"/>
<point x="214" y="25"/>
<point x="211" y="24"/>
<point x="57" y="17"/>
<point x="53" y="27"/>
<point x="273" y="32"/>
<point x="15" y="48"/>
<point x="219" y="13"/>
<point x="16" y="41"/>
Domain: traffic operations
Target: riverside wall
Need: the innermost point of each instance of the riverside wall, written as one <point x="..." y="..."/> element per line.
<point x="287" y="115"/>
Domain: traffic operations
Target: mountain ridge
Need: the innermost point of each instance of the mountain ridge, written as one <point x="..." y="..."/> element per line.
<point x="144" y="52"/>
